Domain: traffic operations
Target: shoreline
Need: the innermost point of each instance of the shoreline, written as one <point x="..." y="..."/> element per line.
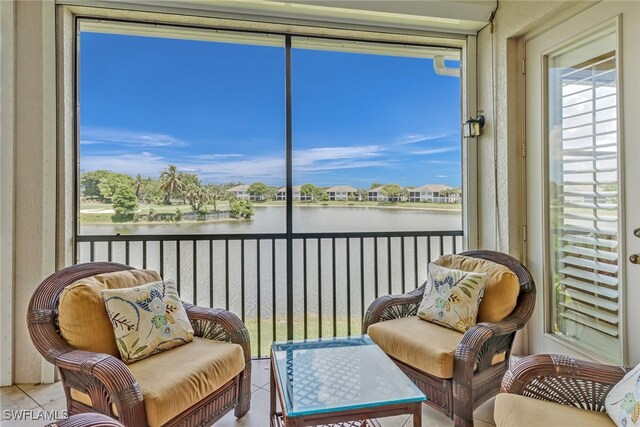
<point x="234" y="220"/>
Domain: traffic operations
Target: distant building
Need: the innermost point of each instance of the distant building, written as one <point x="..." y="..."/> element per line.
<point x="434" y="193"/>
<point x="341" y="192"/>
<point x="297" y="195"/>
<point x="242" y="193"/>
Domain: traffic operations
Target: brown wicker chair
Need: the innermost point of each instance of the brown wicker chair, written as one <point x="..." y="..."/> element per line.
<point x="87" y="420"/>
<point x="108" y="381"/>
<point x="562" y="379"/>
<point x="475" y="378"/>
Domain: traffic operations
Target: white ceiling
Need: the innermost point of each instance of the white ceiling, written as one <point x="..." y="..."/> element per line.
<point x="459" y="16"/>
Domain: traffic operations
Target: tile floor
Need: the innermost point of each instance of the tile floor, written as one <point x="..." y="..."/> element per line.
<point x="50" y="397"/>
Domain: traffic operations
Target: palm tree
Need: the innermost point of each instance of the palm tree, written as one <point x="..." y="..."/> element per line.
<point x="138" y="184"/>
<point x="170" y="183"/>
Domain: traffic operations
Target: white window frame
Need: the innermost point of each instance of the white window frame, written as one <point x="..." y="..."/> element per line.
<point x="151" y="14"/>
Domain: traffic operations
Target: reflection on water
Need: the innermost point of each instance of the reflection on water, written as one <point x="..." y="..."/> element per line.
<point x="271" y="219"/>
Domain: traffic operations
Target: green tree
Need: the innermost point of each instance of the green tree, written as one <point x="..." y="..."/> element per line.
<point x="125" y="202"/>
<point x="309" y="190"/>
<point x="89" y="184"/>
<point x="392" y="191"/>
<point x="323" y="196"/>
<point x="188" y="180"/>
<point x="151" y="192"/>
<point x="111" y="182"/>
<point x="242" y="209"/>
<point x="376" y="185"/>
<point x="363" y="195"/>
<point x="215" y="193"/>
<point x="170" y="183"/>
<point x="194" y="194"/>
<point x="258" y="190"/>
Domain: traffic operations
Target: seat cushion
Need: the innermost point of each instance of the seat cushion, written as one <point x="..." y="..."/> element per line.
<point x="425" y="346"/>
<point x="513" y="410"/>
<point x="84" y="322"/>
<point x="176" y="379"/>
<point x="501" y="289"/>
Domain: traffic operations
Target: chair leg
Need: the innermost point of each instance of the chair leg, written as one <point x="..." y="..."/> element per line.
<point x="244" y="392"/>
<point x="462" y="404"/>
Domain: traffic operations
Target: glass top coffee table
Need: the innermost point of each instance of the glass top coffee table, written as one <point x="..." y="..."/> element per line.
<point x="338" y="381"/>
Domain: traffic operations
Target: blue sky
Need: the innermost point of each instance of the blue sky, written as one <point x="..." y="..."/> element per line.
<point x="217" y="109"/>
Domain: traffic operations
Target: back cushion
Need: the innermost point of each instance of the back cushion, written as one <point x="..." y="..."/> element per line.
<point x="500" y="292"/>
<point x="82" y="316"/>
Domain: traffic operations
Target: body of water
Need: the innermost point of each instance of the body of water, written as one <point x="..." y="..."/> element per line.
<point x="332" y="278"/>
<point x="312" y="219"/>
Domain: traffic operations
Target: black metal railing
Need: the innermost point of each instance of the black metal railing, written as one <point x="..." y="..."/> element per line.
<point x="334" y="276"/>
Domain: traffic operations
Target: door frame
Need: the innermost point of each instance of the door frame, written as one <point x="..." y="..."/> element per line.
<point x="625" y="342"/>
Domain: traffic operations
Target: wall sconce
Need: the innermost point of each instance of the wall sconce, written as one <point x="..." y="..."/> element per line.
<point x="471" y="128"/>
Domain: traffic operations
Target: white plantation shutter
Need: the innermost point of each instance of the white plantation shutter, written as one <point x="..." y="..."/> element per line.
<point x="583" y="168"/>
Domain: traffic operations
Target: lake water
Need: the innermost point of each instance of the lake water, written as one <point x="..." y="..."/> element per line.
<point x="271" y="219"/>
<point x="257" y="292"/>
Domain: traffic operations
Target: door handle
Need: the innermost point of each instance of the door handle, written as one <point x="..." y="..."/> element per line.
<point x="635" y="259"/>
<point x="636" y="232"/>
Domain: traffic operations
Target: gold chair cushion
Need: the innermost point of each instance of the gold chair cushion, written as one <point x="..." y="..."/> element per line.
<point x="513" y="410"/>
<point x="501" y="289"/>
<point x="176" y="379"/>
<point x="82" y="316"/>
<point x="451" y="297"/>
<point x="425" y="346"/>
<point x="147" y="319"/>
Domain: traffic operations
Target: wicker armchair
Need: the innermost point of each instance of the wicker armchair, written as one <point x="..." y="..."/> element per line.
<point x="87" y="420"/>
<point x="476" y="374"/>
<point x="108" y="381"/>
<point x="558" y="379"/>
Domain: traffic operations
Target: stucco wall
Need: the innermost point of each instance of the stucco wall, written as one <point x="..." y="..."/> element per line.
<point x="500" y="213"/>
<point x="500" y="218"/>
<point x="34" y="256"/>
<point x="501" y="208"/>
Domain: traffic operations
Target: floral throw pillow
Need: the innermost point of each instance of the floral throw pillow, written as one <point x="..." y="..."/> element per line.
<point x="147" y="319"/>
<point x="451" y="297"/>
<point x="623" y="401"/>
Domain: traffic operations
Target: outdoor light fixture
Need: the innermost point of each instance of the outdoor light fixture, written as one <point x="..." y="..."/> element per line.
<point x="471" y="127"/>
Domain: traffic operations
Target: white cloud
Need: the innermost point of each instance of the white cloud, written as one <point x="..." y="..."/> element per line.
<point x="436" y="151"/>
<point x="225" y="168"/>
<point x="145" y="163"/>
<point x="442" y="176"/>
<point x="442" y="162"/>
<point x="413" y="138"/>
<point x="215" y="156"/>
<point x="91" y="135"/>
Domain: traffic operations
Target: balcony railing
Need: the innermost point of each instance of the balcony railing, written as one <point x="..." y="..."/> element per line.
<point x="333" y="276"/>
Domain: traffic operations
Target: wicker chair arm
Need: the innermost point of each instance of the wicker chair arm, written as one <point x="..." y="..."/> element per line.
<point x="388" y="307"/>
<point x="562" y="379"/>
<point x="113" y="376"/>
<point x="219" y="324"/>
